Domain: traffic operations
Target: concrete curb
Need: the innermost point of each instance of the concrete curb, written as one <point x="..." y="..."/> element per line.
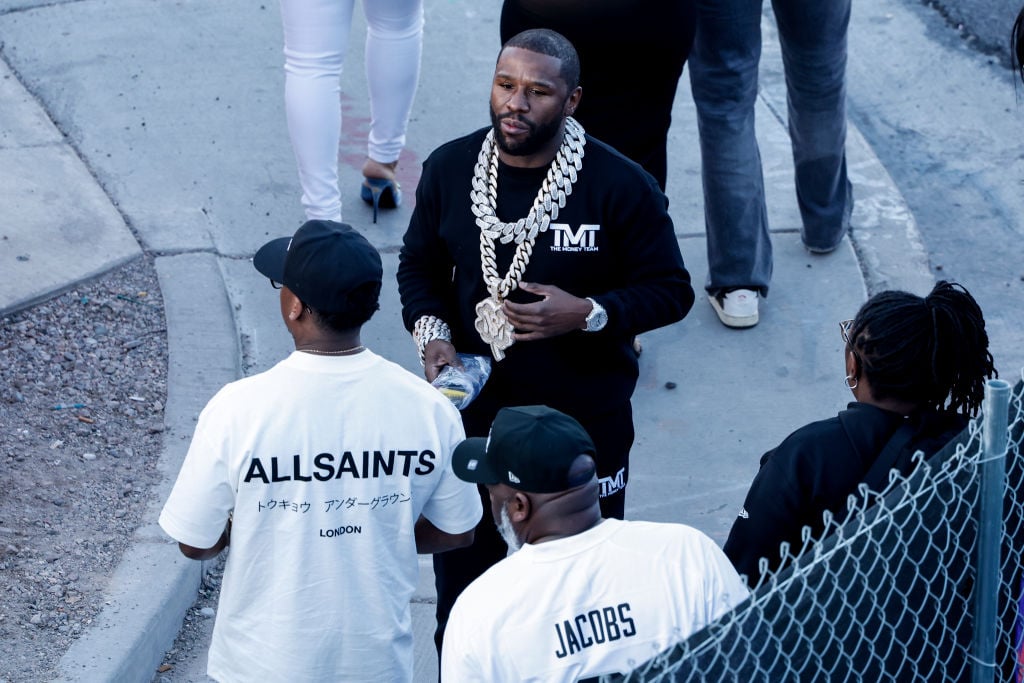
<point x="883" y="230"/>
<point x="154" y="585"/>
<point x="143" y="615"/>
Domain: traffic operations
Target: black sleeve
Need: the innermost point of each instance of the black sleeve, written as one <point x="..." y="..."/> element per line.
<point x="656" y="290"/>
<point x="772" y="513"/>
<point x="424" y="264"/>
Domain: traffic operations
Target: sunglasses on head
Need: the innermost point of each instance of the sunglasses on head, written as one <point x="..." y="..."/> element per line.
<point x="844" y="329"/>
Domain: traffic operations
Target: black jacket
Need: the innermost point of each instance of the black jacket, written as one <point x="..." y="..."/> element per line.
<point x="815" y="469"/>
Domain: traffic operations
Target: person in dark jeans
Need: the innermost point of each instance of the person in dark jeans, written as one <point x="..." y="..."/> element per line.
<point x="723" y="75"/>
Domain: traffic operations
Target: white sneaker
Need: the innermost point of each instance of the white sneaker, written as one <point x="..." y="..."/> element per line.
<point x="736" y="308"/>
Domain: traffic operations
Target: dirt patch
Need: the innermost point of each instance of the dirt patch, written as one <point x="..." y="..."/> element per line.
<point x="83" y="382"/>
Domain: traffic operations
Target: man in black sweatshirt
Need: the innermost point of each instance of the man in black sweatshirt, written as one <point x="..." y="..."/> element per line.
<point x="545" y="248"/>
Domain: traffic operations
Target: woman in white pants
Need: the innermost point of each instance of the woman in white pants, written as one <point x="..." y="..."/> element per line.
<point x="316" y="36"/>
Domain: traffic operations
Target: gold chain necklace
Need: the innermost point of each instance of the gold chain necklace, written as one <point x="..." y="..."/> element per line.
<point x="343" y="352"/>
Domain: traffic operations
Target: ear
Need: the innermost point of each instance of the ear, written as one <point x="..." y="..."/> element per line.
<point x="852" y="364"/>
<point x="291" y="305"/>
<point x="520" y="507"/>
<point x="573" y="101"/>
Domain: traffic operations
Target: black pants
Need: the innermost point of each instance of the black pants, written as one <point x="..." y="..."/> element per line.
<point x="631" y="53"/>
<point x="612" y="434"/>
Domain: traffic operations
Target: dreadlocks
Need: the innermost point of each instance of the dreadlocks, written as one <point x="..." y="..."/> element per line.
<point x="932" y="351"/>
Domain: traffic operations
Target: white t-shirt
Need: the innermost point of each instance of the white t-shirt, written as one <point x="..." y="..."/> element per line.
<point x="600" y="602"/>
<point x="327" y="462"/>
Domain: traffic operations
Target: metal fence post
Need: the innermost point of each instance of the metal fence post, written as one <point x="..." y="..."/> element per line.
<point x="990" y="522"/>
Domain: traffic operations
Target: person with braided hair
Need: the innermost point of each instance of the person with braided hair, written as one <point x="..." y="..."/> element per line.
<point x="917" y="369"/>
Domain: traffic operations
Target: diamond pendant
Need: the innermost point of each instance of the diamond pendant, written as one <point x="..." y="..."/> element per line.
<point x="493" y="327"/>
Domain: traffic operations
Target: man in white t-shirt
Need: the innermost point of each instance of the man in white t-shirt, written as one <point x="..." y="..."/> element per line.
<point x="580" y="596"/>
<point x="326" y="474"/>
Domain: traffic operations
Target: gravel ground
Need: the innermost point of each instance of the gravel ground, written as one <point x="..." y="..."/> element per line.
<point x="83" y="381"/>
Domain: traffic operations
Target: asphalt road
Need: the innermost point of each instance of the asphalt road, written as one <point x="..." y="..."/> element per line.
<point x="946" y="119"/>
<point x="983" y="23"/>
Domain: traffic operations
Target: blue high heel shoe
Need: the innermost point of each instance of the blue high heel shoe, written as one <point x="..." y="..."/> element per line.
<point x="381" y="193"/>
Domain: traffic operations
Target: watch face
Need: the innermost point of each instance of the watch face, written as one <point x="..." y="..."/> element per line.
<point x="597" y="320"/>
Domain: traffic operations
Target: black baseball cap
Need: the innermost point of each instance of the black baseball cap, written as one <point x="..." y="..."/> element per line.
<point x="530" y="448"/>
<point x="321" y="263"/>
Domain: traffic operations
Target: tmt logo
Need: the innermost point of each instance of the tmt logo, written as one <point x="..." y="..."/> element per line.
<point x="613" y="484"/>
<point x="567" y="239"/>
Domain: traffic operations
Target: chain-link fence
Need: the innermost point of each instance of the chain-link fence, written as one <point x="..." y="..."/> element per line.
<point x="915" y="585"/>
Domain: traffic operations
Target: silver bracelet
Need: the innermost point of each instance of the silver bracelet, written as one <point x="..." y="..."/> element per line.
<point x="427" y="329"/>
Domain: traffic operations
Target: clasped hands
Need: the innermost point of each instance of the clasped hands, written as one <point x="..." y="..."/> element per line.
<point x="557" y="313"/>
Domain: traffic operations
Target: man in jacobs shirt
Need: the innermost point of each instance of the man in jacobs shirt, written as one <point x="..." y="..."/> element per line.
<point x="333" y="490"/>
<point x="538" y="245"/>
<point x="581" y="596"/>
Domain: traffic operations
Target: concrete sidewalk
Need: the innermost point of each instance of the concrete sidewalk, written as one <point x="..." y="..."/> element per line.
<point x="219" y="179"/>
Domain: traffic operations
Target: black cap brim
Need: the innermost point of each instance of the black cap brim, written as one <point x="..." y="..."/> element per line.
<point x="270" y="258"/>
<point x="470" y="463"/>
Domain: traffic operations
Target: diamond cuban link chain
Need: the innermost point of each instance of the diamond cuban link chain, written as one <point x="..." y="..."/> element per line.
<point x="491" y="323"/>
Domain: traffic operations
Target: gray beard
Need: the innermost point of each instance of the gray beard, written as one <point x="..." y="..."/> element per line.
<point x="508" y="534"/>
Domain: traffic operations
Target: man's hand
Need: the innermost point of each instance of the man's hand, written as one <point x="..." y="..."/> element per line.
<point x="436" y="355"/>
<point x="555" y="314"/>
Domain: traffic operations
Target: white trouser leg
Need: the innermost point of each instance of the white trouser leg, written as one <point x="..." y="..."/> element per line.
<point x="394" y="42"/>
<point x="315" y="39"/>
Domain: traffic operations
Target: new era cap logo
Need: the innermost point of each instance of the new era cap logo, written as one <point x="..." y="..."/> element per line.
<point x="513" y="478"/>
<point x="471" y="465"/>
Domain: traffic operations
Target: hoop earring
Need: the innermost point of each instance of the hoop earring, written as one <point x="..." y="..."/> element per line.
<point x="847" y="382"/>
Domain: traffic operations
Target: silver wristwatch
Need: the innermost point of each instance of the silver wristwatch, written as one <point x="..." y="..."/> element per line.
<point x="597" y="318"/>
